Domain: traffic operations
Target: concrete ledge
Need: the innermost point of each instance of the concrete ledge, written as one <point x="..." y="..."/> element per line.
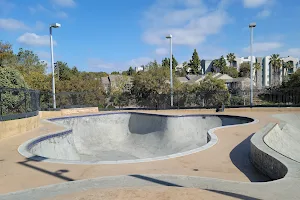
<point x="268" y="161"/>
<point x="18" y="126"/>
<point x="67" y="112"/>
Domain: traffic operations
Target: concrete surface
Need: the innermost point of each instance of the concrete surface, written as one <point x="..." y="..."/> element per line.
<point x="126" y="137"/>
<point x="285" y="140"/>
<point x="263" y="157"/>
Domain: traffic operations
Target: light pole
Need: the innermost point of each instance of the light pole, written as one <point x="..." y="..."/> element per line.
<point x="55" y="25"/>
<point x="171" y="74"/>
<point x="251" y="26"/>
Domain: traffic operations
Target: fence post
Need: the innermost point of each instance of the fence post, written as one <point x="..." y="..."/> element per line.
<point x="25" y="102"/>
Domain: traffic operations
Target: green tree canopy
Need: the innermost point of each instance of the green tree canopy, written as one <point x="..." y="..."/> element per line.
<point x="231" y="58"/>
<point x="244" y="70"/>
<point x="194" y="63"/>
<point x="231" y="71"/>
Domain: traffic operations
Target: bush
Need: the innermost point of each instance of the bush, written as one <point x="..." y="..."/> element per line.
<point x="13" y="101"/>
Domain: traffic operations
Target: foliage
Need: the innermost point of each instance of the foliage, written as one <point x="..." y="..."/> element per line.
<point x="294" y="80"/>
<point x="166" y="62"/>
<point x="13" y="101"/>
<point x="244" y="70"/>
<point x="256" y="68"/>
<point x="231" y="58"/>
<point x="231" y="71"/>
<point x="115" y="73"/>
<point x="194" y="63"/>
<point x="149" y="85"/>
<point x="220" y="64"/>
<point x="276" y="64"/>
<point x="213" y="91"/>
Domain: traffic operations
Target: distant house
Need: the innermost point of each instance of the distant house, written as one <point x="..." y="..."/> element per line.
<point x="114" y="81"/>
<point x="242" y="83"/>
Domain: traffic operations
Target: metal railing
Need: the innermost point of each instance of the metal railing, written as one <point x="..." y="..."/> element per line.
<point x="20" y="103"/>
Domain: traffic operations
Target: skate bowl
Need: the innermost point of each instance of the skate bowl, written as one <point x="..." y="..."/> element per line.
<point x="129" y="137"/>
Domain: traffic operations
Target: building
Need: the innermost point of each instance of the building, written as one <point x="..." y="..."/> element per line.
<point x="268" y="72"/>
<point x="207" y="66"/>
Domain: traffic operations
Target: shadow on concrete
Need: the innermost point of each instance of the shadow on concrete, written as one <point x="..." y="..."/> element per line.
<point x="153" y="180"/>
<point x="237" y="196"/>
<point x="240" y="157"/>
<point x="58" y="173"/>
<point x="165" y="183"/>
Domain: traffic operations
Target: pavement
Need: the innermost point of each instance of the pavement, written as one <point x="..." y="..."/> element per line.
<point x="227" y="160"/>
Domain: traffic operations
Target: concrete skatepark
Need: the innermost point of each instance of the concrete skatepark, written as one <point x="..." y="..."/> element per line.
<point x="126" y="137"/>
<point x="251" y="152"/>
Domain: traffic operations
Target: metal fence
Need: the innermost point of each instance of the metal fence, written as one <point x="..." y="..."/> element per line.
<point x="18" y="103"/>
<point x="198" y="99"/>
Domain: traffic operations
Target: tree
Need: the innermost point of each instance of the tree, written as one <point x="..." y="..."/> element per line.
<point x="220" y="64"/>
<point x="194" y="63"/>
<point x="7" y="56"/>
<point x="286" y="67"/>
<point x="244" y="70"/>
<point x="28" y="61"/>
<point x="231" y="58"/>
<point x="294" y="80"/>
<point x="149" y="87"/>
<point x="174" y="62"/>
<point x="231" y="71"/>
<point x="276" y="64"/>
<point x="256" y="68"/>
<point x="13" y="101"/>
<point x="130" y="71"/>
<point x="213" y="91"/>
<point x="115" y="73"/>
<point x="166" y="62"/>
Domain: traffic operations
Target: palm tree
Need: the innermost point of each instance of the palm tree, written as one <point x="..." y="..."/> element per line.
<point x="286" y="66"/>
<point x="276" y="64"/>
<point x="231" y="58"/>
<point x="216" y="64"/>
<point x="256" y="67"/>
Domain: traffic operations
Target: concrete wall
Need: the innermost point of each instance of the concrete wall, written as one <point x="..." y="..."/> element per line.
<point x="264" y="158"/>
<point x="14" y="127"/>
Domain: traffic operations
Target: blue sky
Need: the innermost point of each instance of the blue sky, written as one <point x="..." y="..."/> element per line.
<point x="112" y="35"/>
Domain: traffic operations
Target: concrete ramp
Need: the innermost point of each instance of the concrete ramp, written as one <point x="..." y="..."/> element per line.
<point x="285" y="138"/>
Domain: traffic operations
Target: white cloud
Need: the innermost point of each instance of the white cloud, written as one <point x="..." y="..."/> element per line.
<point x="255" y="3"/>
<point x="161" y="51"/>
<point x="32" y="39"/>
<point x="264" y="13"/>
<point x="64" y="3"/>
<point x="260" y="47"/>
<point x="12" y="24"/>
<point x="190" y="22"/>
<point x="294" y="52"/>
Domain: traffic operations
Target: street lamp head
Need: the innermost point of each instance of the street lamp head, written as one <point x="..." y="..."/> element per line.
<point x="252" y="25"/>
<point x="169" y="36"/>
<point x="55" y="25"/>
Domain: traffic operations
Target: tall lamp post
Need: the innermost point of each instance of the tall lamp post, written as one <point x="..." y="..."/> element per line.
<point x="251" y="26"/>
<point x="171" y="69"/>
<point x="55" y="25"/>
